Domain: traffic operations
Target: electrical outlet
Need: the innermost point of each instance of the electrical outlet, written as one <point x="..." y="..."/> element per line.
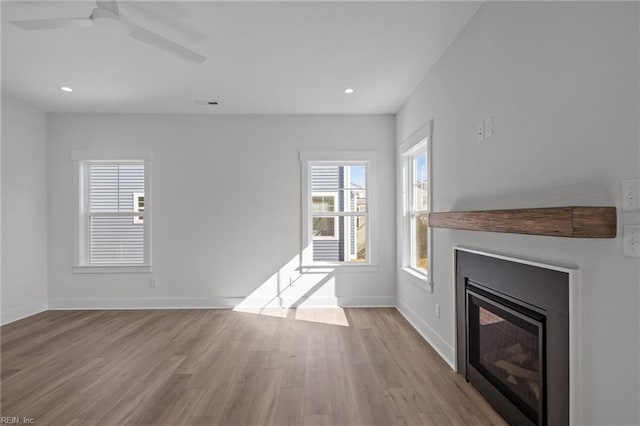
<point x="488" y="127"/>
<point x="631" y="195"/>
<point x="437" y="310"/>
<point x="154" y="282"/>
<point x="631" y="240"/>
<point x="480" y="132"/>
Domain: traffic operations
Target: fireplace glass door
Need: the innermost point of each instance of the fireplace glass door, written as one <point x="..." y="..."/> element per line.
<point x="506" y="346"/>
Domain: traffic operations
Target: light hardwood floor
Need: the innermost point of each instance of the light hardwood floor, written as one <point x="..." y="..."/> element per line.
<point x="206" y="367"/>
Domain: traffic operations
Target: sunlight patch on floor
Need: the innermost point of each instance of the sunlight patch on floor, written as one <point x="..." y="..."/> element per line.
<point x="333" y="316"/>
<point x="268" y="312"/>
<point x="330" y="316"/>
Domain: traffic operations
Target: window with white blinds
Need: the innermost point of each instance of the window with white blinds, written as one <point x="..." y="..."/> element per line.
<point x="116" y="235"/>
<point x="113" y="216"/>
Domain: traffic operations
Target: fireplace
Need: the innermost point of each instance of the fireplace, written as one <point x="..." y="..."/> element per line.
<point x="505" y="345"/>
<point x="513" y="336"/>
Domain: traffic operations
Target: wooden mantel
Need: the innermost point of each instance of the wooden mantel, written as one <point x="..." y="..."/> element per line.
<point x="574" y="222"/>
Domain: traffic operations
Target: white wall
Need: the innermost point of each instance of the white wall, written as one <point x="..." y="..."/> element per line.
<point x="561" y="82"/>
<point x="24" y="210"/>
<point x="226" y="209"/>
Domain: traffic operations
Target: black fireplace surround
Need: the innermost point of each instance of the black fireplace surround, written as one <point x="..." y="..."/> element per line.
<point x="513" y="336"/>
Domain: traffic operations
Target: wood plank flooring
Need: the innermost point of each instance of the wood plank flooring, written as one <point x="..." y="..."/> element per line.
<point x="223" y="367"/>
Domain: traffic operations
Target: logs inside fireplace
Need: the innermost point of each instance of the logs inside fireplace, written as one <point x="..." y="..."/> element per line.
<point x="513" y="336"/>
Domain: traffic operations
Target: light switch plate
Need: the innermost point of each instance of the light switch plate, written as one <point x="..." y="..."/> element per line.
<point x="631" y="195"/>
<point x="631" y="240"/>
<point x="480" y="132"/>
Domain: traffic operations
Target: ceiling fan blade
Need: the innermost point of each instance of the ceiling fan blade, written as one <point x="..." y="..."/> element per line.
<point x="108" y="4"/>
<point x="162" y="43"/>
<point x="53" y="24"/>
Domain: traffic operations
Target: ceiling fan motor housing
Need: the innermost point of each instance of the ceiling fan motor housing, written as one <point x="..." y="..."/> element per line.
<point x="108" y="20"/>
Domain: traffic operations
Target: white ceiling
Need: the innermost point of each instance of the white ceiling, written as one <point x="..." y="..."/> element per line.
<point x="263" y="57"/>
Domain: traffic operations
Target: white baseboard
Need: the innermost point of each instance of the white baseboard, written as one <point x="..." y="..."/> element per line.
<point x="445" y="350"/>
<point x="321" y="302"/>
<point x="164" y="303"/>
<point x="368" y="302"/>
<point x="220" y="303"/>
<point x="16" y="314"/>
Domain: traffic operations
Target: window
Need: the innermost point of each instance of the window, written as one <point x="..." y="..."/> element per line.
<point x="416" y="176"/>
<point x="337" y="208"/>
<point x="418" y="210"/>
<point x="112" y="214"/>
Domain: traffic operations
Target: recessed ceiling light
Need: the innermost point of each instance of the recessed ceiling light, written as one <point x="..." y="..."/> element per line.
<point x="349" y="91"/>
<point x="66" y="89"/>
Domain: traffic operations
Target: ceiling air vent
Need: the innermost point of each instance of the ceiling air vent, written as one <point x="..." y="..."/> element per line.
<point x="207" y="103"/>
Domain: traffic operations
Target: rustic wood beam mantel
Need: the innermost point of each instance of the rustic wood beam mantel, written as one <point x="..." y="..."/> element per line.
<point x="574" y="222"/>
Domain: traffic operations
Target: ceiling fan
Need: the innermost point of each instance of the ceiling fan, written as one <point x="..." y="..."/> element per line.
<point x="107" y="14"/>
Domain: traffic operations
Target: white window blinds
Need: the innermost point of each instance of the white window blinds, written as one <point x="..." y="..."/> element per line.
<point x="116" y="232"/>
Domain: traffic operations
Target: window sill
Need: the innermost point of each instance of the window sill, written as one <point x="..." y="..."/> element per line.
<point x="111" y="269"/>
<point x="418" y="279"/>
<point x="343" y="267"/>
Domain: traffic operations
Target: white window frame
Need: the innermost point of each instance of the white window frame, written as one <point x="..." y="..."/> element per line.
<point x="345" y="158"/>
<point x="81" y="160"/>
<point x="418" y="143"/>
